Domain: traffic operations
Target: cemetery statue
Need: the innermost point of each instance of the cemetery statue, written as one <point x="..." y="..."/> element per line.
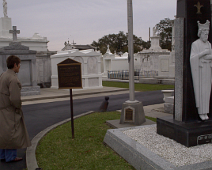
<point x="201" y="63"/>
<point x="108" y="49"/>
<point x="13" y="132"/>
<point x="5" y="8"/>
<point x="154" y="31"/>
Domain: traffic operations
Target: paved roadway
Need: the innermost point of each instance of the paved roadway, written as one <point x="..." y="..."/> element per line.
<point x="40" y="116"/>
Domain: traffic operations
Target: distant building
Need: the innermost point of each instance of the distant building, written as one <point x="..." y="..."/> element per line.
<point x="69" y="46"/>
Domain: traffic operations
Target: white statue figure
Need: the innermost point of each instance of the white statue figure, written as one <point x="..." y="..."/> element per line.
<point x="5" y="8"/>
<point x="201" y="63"/>
<point x="108" y="49"/>
<point x="154" y="30"/>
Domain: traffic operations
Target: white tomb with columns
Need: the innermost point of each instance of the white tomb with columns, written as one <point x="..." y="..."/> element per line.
<point x="148" y="60"/>
<point x="156" y="65"/>
<point x="90" y="64"/>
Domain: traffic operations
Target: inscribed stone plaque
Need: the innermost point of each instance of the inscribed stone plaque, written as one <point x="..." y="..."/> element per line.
<point x="25" y="74"/>
<point x="203" y="139"/>
<point x="92" y="65"/>
<point x="129" y="113"/>
<point x="69" y="74"/>
<point x="164" y="65"/>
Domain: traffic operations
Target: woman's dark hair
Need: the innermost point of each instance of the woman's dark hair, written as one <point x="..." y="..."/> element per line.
<point x="11" y="60"/>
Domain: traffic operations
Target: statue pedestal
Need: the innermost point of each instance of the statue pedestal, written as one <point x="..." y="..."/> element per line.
<point x="188" y="134"/>
<point x="5" y="26"/>
<point x="186" y="126"/>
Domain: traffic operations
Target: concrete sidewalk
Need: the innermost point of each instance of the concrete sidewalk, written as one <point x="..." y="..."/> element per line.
<point x="49" y="93"/>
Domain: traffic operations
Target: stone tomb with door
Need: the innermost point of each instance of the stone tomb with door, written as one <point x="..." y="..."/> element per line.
<point x="90" y="64"/>
<point x="27" y="72"/>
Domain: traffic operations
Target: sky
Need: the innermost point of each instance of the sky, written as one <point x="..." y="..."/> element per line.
<point x="85" y="21"/>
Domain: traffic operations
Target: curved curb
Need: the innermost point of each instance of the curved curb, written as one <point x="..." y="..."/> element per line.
<point x="31" y="162"/>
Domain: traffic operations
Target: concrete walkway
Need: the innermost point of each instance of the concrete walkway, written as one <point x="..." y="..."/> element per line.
<point x="52" y="95"/>
<point x="49" y="93"/>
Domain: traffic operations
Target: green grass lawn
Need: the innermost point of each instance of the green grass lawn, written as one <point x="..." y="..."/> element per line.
<point x="57" y="150"/>
<point x="138" y="86"/>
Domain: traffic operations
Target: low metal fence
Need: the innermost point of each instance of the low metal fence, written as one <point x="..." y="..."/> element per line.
<point x="123" y="75"/>
<point x="151" y="73"/>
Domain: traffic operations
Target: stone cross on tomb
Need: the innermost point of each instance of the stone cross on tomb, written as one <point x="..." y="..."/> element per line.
<point x="14" y="32"/>
<point x="74" y="43"/>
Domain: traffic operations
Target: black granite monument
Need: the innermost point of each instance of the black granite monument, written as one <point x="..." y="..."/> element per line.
<point x="189" y="129"/>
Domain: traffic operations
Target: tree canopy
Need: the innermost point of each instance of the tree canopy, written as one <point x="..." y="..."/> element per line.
<point x="164" y="29"/>
<point x="119" y="43"/>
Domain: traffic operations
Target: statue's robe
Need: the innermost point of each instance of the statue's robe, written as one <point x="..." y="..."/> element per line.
<point x="201" y="75"/>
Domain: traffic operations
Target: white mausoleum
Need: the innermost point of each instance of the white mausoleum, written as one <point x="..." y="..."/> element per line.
<point x="36" y="43"/>
<point x="154" y="62"/>
<point x="90" y="64"/>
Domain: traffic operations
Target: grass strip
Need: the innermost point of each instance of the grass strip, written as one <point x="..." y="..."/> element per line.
<point x="138" y="86"/>
<point x="151" y="118"/>
<point x="58" y="151"/>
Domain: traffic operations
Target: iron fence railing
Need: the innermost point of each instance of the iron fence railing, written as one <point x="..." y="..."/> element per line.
<point x="123" y="75"/>
<point x="151" y="73"/>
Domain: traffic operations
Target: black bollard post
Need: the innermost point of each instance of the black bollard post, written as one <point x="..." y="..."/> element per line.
<point x="104" y="105"/>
